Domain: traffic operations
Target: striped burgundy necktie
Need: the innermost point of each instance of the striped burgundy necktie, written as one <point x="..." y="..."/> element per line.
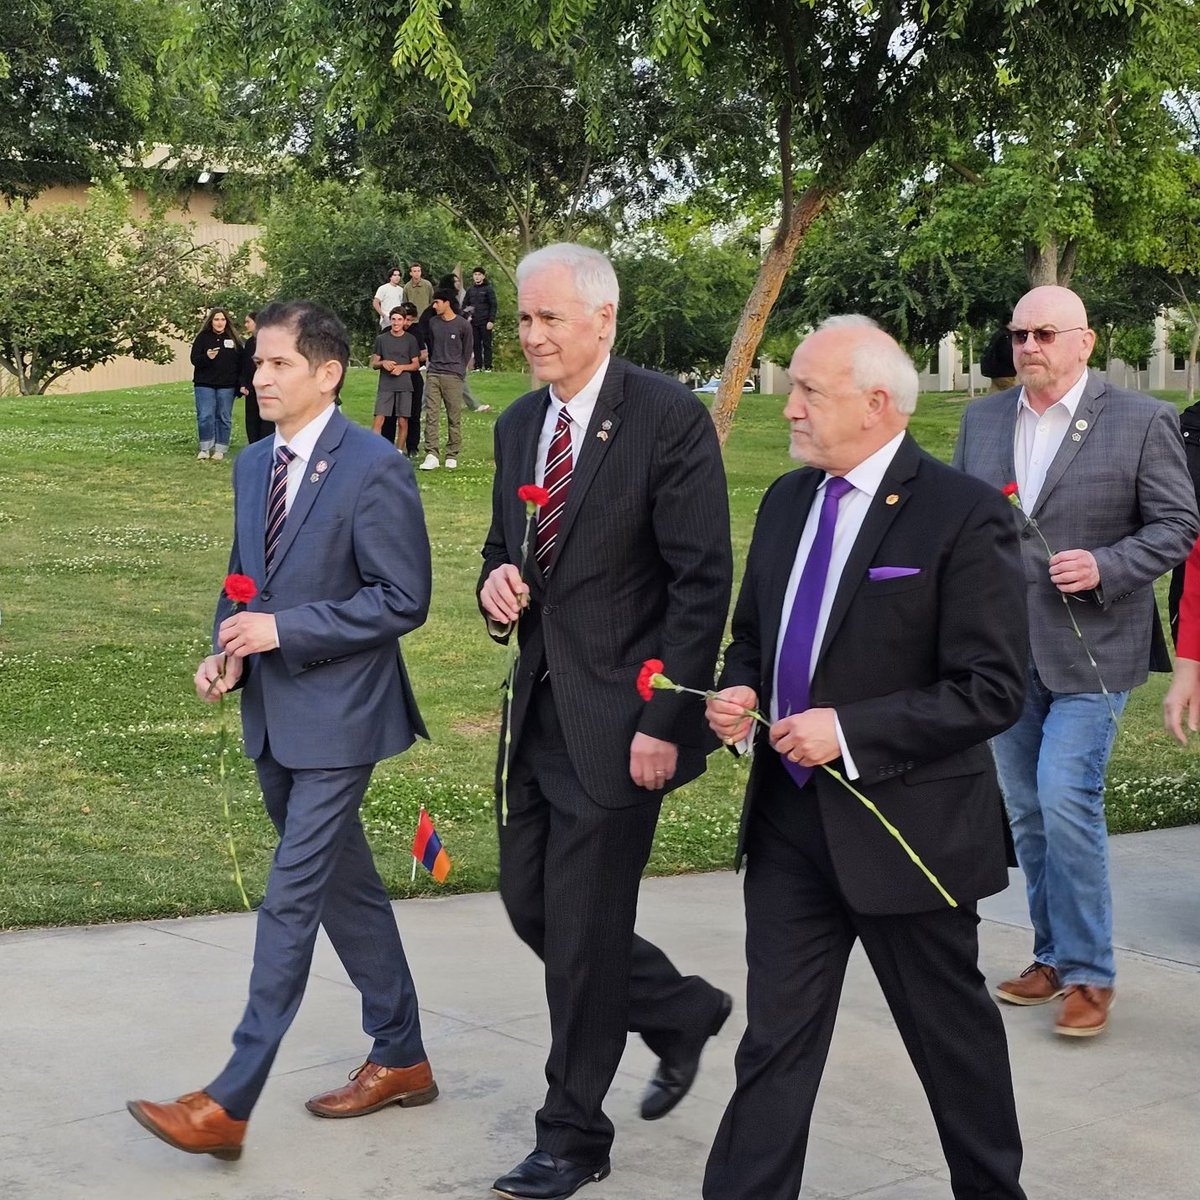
<point x="557" y="481"/>
<point x="277" y="501"/>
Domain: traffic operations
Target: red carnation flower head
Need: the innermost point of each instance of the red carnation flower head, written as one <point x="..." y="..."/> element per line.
<point x="241" y="589"/>
<point x="1010" y="489"/>
<point x="530" y="493"/>
<point x="645" y="680"/>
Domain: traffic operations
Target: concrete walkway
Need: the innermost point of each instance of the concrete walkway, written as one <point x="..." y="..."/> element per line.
<point x="90" y="1017"/>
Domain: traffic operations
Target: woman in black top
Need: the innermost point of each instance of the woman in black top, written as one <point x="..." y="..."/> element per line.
<point x="217" y="359"/>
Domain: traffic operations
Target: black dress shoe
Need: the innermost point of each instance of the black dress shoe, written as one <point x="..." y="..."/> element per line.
<point x="543" y="1177"/>
<point x="673" y="1080"/>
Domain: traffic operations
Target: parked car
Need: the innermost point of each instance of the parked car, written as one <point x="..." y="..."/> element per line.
<point x="715" y="382"/>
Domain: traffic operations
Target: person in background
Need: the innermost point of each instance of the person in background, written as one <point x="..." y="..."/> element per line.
<point x="448" y="354"/>
<point x="397" y="358"/>
<point x="418" y="291"/>
<point x="479" y="306"/>
<point x="451" y="283"/>
<point x="256" y="427"/>
<point x="217" y="371"/>
<point x="1183" y="696"/>
<point x="387" y="296"/>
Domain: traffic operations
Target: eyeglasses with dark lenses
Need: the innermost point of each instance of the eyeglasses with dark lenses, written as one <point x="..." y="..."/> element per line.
<point x="1043" y="337"/>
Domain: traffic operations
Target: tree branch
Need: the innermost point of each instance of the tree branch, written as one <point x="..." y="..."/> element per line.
<point x="478" y="235"/>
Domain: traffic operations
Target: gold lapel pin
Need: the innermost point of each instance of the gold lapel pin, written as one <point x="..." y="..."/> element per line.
<point x="892" y="499"/>
<point x="603" y="435"/>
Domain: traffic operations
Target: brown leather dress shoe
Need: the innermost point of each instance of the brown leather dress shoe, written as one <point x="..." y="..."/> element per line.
<point x="1037" y="984"/>
<point x="194" y="1123"/>
<point x="373" y="1087"/>
<point x="1084" y="1011"/>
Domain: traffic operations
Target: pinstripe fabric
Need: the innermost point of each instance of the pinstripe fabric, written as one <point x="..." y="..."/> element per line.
<point x="277" y="502"/>
<point x="557" y="481"/>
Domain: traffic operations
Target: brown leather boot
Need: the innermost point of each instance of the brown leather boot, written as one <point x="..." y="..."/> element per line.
<point x="1084" y="1011"/>
<point x="373" y="1087"/>
<point x="1037" y="984"/>
<point x="194" y="1123"/>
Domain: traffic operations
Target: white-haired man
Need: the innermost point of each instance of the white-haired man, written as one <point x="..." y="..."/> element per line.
<point x="631" y="561"/>
<point x="881" y="625"/>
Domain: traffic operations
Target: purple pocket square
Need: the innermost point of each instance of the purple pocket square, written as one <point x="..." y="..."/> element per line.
<point x="875" y="574"/>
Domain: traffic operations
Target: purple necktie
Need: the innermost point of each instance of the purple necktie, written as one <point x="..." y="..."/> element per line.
<point x="795" y="651"/>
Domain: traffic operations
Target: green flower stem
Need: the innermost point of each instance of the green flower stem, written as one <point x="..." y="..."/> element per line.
<point x="514" y="654"/>
<point x="664" y="684"/>
<point x="226" y="777"/>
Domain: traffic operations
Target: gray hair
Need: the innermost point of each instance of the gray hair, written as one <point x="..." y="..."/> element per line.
<point x="880" y="363"/>
<point x="594" y="277"/>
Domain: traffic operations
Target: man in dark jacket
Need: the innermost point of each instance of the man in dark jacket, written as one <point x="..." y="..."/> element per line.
<point x="479" y="306"/>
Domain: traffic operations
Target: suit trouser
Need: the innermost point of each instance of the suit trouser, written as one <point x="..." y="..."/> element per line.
<point x="322" y="874"/>
<point x="569" y="877"/>
<point x="799" y="933"/>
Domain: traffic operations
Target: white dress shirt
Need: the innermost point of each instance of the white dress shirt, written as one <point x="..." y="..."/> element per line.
<point x="302" y="445"/>
<point x="866" y="479"/>
<point x="1037" y="438"/>
<point x="579" y="408"/>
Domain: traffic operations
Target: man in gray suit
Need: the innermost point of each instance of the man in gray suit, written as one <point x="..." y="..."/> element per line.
<point x="328" y="521"/>
<point x="1102" y="472"/>
<point x="631" y="561"/>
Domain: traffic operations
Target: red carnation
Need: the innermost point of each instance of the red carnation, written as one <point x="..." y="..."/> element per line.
<point x="532" y="494"/>
<point x="241" y="589"/>
<point x="650" y="668"/>
<point x="1010" y="489"/>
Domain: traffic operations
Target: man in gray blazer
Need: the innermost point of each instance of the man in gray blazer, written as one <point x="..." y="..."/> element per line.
<point x="1101" y="470"/>
<point x="631" y="560"/>
<point x="328" y="522"/>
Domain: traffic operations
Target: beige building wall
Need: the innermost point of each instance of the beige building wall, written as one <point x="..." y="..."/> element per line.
<point x="195" y="209"/>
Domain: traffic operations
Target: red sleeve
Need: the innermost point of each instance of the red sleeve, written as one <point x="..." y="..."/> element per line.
<point x="1189" y="608"/>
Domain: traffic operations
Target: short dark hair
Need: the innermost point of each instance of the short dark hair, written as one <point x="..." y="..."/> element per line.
<point x="320" y="335"/>
<point x="397" y="308"/>
<point x="478" y="271"/>
<point x="446" y="293"/>
<point x="415" y="264"/>
<point x="408" y="308"/>
<point x="252" y="315"/>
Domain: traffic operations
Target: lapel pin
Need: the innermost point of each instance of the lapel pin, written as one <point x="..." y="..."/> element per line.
<point x="605" y="424"/>
<point x="314" y="479"/>
<point x="603" y="435"/>
<point x="892" y="499"/>
<point x="1081" y="425"/>
<point x="1075" y="437"/>
<point x="321" y="466"/>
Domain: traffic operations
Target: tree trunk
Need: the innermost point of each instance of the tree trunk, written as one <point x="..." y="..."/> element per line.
<point x="1045" y="264"/>
<point x="757" y="309"/>
<point x="1193" y="349"/>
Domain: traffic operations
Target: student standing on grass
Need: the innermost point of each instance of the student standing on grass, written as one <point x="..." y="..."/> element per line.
<point x="328" y="522"/>
<point x="449" y="352"/>
<point x="397" y="358"/>
<point x="217" y="366"/>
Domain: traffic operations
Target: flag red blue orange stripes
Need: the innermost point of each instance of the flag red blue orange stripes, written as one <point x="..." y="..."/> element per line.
<point x="428" y="851"/>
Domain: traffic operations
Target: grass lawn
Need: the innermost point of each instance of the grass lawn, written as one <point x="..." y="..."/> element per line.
<point x="113" y="542"/>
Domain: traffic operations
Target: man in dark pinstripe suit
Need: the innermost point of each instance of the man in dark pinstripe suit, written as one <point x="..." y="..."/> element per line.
<point x="634" y="563"/>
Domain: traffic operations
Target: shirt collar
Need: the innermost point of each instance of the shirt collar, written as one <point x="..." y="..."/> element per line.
<point x="304" y="442"/>
<point x="1070" y="401"/>
<point x="585" y="399"/>
<point x="868" y="475"/>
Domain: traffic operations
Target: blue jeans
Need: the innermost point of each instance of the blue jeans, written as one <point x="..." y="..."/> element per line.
<point x="214" y="416"/>
<point x="1051" y="765"/>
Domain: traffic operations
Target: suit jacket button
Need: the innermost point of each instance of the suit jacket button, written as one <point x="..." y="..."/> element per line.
<point x="264" y="595"/>
<point x="547" y="609"/>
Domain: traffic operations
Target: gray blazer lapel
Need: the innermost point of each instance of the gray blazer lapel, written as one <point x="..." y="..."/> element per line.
<point x="601" y="433"/>
<point x="883" y="511"/>
<point x="315" y="478"/>
<point x="1090" y="405"/>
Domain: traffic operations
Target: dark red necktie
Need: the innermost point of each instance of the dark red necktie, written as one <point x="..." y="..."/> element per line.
<point x="557" y="481"/>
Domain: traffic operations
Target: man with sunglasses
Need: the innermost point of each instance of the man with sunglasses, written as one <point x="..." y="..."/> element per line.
<point x="1100" y="472"/>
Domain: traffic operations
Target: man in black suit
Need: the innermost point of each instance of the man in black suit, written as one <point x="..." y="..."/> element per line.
<point x="631" y="560"/>
<point x="881" y="626"/>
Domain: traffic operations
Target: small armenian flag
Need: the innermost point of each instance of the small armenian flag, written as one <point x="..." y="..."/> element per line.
<point x="427" y="849"/>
